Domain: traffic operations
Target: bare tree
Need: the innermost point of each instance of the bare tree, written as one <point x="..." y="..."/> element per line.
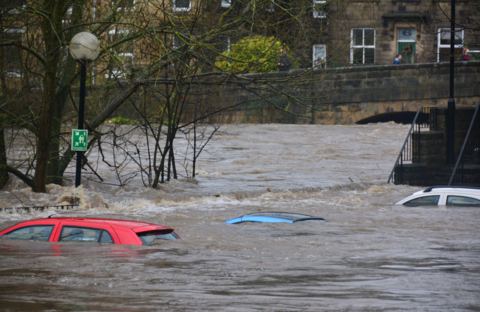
<point x="175" y="49"/>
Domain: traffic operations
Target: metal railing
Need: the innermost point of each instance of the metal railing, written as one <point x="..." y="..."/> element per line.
<point x="469" y="147"/>
<point x="406" y="152"/>
<point x="38" y="208"/>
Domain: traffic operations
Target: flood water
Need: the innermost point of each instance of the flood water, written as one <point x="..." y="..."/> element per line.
<point x="368" y="256"/>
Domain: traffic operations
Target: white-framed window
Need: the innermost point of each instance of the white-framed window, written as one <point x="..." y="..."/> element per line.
<point x="13" y="6"/>
<point x="122" y="58"/>
<point x="319" y="8"/>
<point x="362" y="47"/>
<point x="224" y="43"/>
<point x="271" y="6"/>
<point x="182" y="5"/>
<point x="226" y="3"/>
<point x="123" y="5"/>
<point x="443" y="43"/>
<point x="319" y="56"/>
<point x="474" y="54"/>
<point x="121" y="66"/>
<point x="12" y="60"/>
<point x="177" y="42"/>
<point x="67" y="18"/>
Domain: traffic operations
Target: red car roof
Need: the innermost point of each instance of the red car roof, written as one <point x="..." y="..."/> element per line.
<point x="123" y="231"/>
<point x="136" y="226"/>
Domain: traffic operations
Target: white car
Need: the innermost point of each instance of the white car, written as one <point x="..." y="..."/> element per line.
<point x="444" y="196"/>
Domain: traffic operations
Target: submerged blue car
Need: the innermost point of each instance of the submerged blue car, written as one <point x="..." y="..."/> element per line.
<point x="273" y="217"/>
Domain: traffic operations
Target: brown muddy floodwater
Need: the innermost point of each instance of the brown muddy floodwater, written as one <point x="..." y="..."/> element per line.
<point x="368" y="256"/>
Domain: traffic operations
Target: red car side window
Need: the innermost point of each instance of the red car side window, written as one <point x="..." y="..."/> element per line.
<point x="84" y="234"/>
<point x="33" y="232"/>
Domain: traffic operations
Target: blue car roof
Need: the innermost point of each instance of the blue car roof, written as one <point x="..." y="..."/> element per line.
<point x="273" y="217"/>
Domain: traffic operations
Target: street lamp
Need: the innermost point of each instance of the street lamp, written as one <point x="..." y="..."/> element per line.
<point x="84" y="47"/>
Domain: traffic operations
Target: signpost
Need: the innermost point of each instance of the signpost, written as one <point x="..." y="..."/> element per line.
<point x="84" y="47"/>
<point x="79" y="141"/>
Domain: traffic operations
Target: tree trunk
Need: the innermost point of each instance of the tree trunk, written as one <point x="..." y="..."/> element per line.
<point x="44" y="134"/>
<point x="54" y="169"/>
<point x="3" y="158"/>
<point x="50" y="26"/>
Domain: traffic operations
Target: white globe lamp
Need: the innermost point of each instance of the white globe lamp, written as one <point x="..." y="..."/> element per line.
<point x="84" y="46"/>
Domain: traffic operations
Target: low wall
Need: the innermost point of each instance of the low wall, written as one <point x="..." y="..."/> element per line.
<point x="335" y="96"/>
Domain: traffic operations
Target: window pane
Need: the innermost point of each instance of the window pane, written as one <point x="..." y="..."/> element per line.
<point x="319" y="51"/>
<point x="423" y="201"/>
<point x="407" y="34"/>
<point x="118" y="37"/>
<point x="11" y="54"/>
<point x="357" y="56"/>
<point x="445" y="54"/>
<point x="223" y="43"/>
<point x="70" y="233"/>
<point x="319" y="55"/>
<point x="319" y="9"/>
<point x="462" y="201"/>
<point x="369" y="37"/>
<point x="39" y="232"/>
<point x="177" y="42"/>
<point x="357" y="37"/>
<point x="445" y="36"/>
<point x="123" y="3"/>
<point x="105" y="238"/>
<point x="369" y="56"/>
<point x="10" y="4"/>
<point x="184" y="4"/>
<point x="149" y="238"/>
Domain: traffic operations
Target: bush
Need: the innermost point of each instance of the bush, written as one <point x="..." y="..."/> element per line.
<point x="253" y="54"/>
<point x="121" y="120"/>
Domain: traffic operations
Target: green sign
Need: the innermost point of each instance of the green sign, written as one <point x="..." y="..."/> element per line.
<point x="79" y="140"/>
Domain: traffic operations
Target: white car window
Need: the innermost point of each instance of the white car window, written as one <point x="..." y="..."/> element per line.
<point x="455" y="200"/>
<point x="430" y="200"/>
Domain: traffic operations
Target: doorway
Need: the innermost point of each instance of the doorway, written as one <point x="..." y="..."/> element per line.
<point x="406" y="44"/>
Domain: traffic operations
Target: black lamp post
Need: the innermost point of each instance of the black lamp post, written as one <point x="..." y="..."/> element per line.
<point x="450" y="117"/>
<point x="84" y="47"/>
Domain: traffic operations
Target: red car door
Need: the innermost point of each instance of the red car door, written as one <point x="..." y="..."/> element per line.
<point x="84" y="226"/>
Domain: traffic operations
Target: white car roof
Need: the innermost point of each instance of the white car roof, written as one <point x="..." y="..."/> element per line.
<point x="451" y="190"/>
<point x="443" y="190"/>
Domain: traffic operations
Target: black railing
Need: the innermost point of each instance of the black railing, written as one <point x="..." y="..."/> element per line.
<point x="470" y="150"/>
<point x="38" y="208"/>
<point x="409" y="145"/>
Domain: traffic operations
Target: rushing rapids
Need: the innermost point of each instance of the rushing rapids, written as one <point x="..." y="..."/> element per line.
<point x="369" y="255"/>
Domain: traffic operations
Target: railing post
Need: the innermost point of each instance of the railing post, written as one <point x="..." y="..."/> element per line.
<point x="462" y="149"/>
<point x="408" y="142"/>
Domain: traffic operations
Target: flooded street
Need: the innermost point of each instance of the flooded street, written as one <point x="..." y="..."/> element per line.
<point x="368" y="256"/>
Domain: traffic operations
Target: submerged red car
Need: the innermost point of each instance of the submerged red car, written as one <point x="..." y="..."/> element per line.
<point x="96" y="230"/>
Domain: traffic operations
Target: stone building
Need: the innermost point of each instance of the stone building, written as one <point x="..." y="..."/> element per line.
<point x="373" y="32"/>
<point x="354" y="32"/>
<point x="320" y="33"/>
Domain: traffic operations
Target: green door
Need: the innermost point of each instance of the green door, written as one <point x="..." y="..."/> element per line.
<point x="406" y="44"/>
<point x="407" y="49"/>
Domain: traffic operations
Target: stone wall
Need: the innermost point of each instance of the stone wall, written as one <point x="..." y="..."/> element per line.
<point x="335" y="96"/>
